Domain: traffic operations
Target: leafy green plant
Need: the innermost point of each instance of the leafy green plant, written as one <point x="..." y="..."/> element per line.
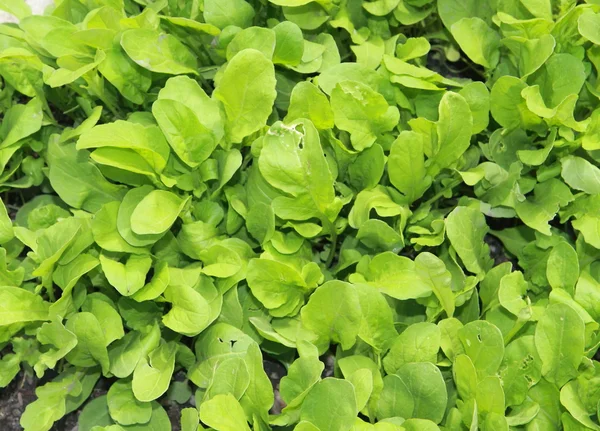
<point x="408" y="187"/>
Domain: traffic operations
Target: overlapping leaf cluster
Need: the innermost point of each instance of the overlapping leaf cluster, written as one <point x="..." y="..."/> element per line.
<point x="192" y="186"/>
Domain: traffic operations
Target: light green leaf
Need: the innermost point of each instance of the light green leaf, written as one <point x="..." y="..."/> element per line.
<point x="156" y="212"/>
<point x="247" y="90"/>
<point x="453" y="137"/>
<point x="483" y="343"/>
<point x="18" y="8"/>
<point x="190" y="312"/>
<point x="289" y="46"/>
<point x="330" y="405"/>
<point x="362" y="112"/>
<point x="91" y="344"/>
<point x="307" y="101"/>
<point x="406" y="166"/>
<point x="396" y="276"/>
<point x="124" y="407"/>
<point x="223" y="13"/>
<point x="333" y="311"/>
<point x="417" y="390"/>
<point x="563" y="267"/>
<point x="293" y="161"/>
<point x="279" y="287"/>
<point x="152" y="376"/>
<point x="158" y="52"/>
<point x="258" y="38"/>
<point x="20" y="305"/>
<point x="477" y="40"/>
<point x="420" y="342"/>
<point x="77" y="181"/>
<point x="129" y="277"/>
<point x="224" y="413"/>
<point x="581" y="174"/>
<point x="560" y="340"/>
<point x="466" y="228"/>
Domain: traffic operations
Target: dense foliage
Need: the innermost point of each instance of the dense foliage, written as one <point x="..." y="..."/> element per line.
<point x="190" y="186"/>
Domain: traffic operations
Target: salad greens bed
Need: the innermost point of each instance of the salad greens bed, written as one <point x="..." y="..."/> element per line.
<point x="191" y="186"/>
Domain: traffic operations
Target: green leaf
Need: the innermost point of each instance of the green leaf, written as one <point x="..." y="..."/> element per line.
<point x="330" y="405"/>
<point x="145" y="148"/>
<point x="508" y="107"/>
<point x="102" y="307"/>
<point x="378" y="199"/>
<point x="307" y="101"/>
<point x="20" y="305"/>
<point x="129" y="277"/>
<point x="433" y="271"/>
<point x="466" y="228"/>
<point x="158" y="52"/>
<point x="106" y="233"/>
<point x="189" y="314"/>
<point x="156" y="212"/>
<point x="248" y="73"/>
<point x="453" y="137"/>
<point x="478" y="40"/>
<point x="333" y="311"/>
<point x="511" y="294"/>
<point x="91" y="344"/>
<point x="95" y="413"/>
<point x="279" y="287"/>
<point x="18" y="8"/>
<point x="6" y="227"/>
<point x="124" y="408"/>
<point x="152" y="376"/>
<point x="50" y="405"/>
<point x="260" y="39"/>
<point x="560" y="340"/>
<point x="580" y="174"/>
<point x="62" y="341"/>
<point x="229" y="12"/>
<point x="521" y="368"/>
<point x="406" y="166"/>
<point x="191" y="121"/>
<point x="190" y="419"/>
<point x="570" y="399"/>
<point x="396" y="276"/>
<point x="418" y="343"/>
<point x="548" y="198"/>
<point x="483" y="343"/>
<point x="377" y="326"/>
<point x="362" y="112"/>
<point x="293" y="161"/>
<point x="132" y="81"/>
<point x="127" y="352"/>
<point x="289" y="46"/>
<point x="77" y="181"/>
<point x="451" y="11"/>
<point x="531" y="53"/>
<point x="224" y="413"/>
<point x="563" y="267"/>
<point x="587" y="25"/>
<point x="417" y="390"/>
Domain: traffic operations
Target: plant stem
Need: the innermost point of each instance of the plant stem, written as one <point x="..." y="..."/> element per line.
<point x="333" y="239"/>
<point x="441" y="193"/>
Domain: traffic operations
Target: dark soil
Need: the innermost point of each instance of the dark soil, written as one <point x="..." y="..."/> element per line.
<point x="13" y="400"/>
<point x="275" y="371"/>
<point x="21" y="391"/>
<point x="463" y="68"/>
